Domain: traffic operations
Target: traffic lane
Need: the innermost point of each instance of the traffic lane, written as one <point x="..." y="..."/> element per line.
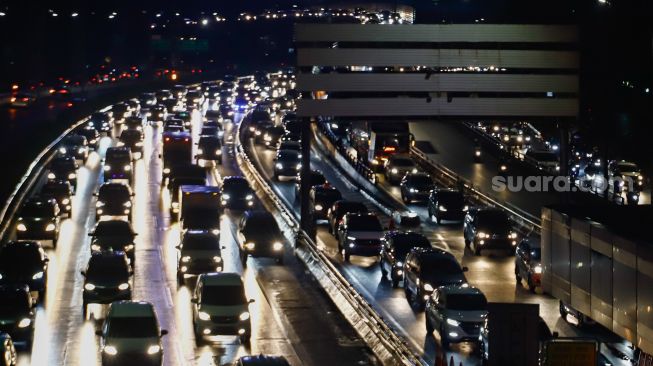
<point x="455" y="150"/>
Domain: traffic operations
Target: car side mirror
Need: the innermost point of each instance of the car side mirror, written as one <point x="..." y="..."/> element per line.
<point x="164" y="332"/>
<point x="194" y="300"/>
<point x="95" y="194"/>
<point x="465" y="269"/>
<point x="91" y="234"/>
<point x="83" y="273"/>
<point x="251" y="301"/>
<point x="224" y="247"/>
<point x="46" y="260"/>
<point x="98" y="332"/>
<point x="131" y="273"/>
<point x="178" y="246"/>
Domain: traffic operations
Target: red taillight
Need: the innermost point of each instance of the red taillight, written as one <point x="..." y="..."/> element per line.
<point x="69" y="104"/>
<point x="389" y="149"/>
<point x="167" y="138"/>
<point x="14" y="87"/>
<point x="25" y="99"/>
<point x="13" y="99"/>
<point x="186" y="139"/>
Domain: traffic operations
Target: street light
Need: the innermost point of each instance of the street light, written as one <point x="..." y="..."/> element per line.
<point x="205" y="21"/>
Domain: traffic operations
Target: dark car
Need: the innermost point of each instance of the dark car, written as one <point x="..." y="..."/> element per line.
<point x="74" y="145"/>
<point x="194" y="98"/>
<point x="91" y="133"/>
<point x="17" y="314"/>
<point x="226" y="111"/>
<point x="184" y="116"/>
<point x="170" y="104"/>
<point x="528" y="263"/>
<point x="259" y="115"/>
<point x="120" y="112"/>
<point x="106" y="279"/>
<point x="416" y="187"/>
<point x="62" y="192"/>
<point x="157" y="113"/>
<point x="428" y="269"/>
<point x="395" y="248"/>
<point x="133" y="139"/>
<point x="118" y="164"/>
<point x="262" y="360"/>
<point x="198" y="252"/>
<point x="38" y="219"/>
<point x="24" y="263"/>
<point x="397" y="166"/>
<point x="260" y="236"/>
<point x="213" y="115"/>
<point x="447" y="204"/>
<point x="210" y="131"/>
<point x="290" y="145"/>
<point x="272" y="135"/>
<point x="287" y="164"/>
<point x="322" y="197"/>
<point x="339" y="209"/>
<point x="292" y="136"/>
<point x="488" y="228"/>
<point x="236" y="193"/>
<point x="209" y="148"/>
<point x="258" y="129"/>
<point x="102" y="121"/>
<point x="63" y="168"/>
<point x="316" y="178"/>
<point x="113" y="235"/>
<point x="134" y="123"/>
<point x="114" y="199"/>
<point x="359" y="234"/>
<point x="147" y="99"/>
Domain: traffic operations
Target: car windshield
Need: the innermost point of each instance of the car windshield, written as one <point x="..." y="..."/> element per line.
<point x="113" y="229"/>
<point x="204" y="242"/>
<point x="451" y="198"/>
<point x="288" y="156"/>
<point x="19" y="258"/>
<point x="403" y="243"/>
<point x="327" y="195"/>
<point x="36" y="209"/>
<point x="433" y="268"/>
<point x="132" y="327"/>
<point x="223" y="295"/>
<point x="364" y="223"/>
<point x="130" y="135"/>
<point x="420" y="181"/>
<point x="493" y="219"/>
<point x="627" y="168"/>
<point x="13" y="304"/>
<point x="55" y="190"/>
<point x="109" y="269"/>
<point x="63" y="165"/>
<point x="466" y="302"/>
<point x="402" y="162"/>
<point x="543" y="156"/>
<point x="114" y="193"/>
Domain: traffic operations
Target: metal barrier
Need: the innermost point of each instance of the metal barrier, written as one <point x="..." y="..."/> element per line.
<point x="358" y="164"/>
<point x="381" y="338"/>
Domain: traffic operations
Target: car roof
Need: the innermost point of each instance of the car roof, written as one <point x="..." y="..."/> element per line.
<point x="263" y="360"/>
<point x="432" y="252"/>
<point x="222" y="278"/>
<point x="463" y="289"/>
<point x="128" y="308"/>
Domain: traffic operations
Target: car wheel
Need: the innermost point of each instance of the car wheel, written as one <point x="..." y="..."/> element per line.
<point x="438" y="220"/>
<point x="517" y="276"/>
<point x="199" y="339"/>
<point x="347" y="256"/>
<point x="531" y="286"/>
<point x="467" y="242"/>
<point x="477" y="250"/>
<point x="245" y="339"/>
<point x="383" y="271"/>
<point x="280" y="260"/>
<point x="429" y="326"/>
<point x="243" y="260"/>
<point x="395" y="282"/>
<point x="444" y="341"/>
<point x="180" y="279"/>
<point x="84" y="310"/>
<point x="406" y="290"/>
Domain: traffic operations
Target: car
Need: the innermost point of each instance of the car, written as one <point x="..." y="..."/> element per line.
<point x="147" y="99"/>
<point x="38" y="219"/>
<point x="102" y="121"/>
<point x="62" y="192"/>
<point x="259" y="236"/>
<point x="118" y="164"/>
<point x="157" y="113"/>
<point x="290" y="145"/>
<point x="339" y="208"/>
<point x="287" y="164"/>
<point x="91" y="133"/>
<point x="113" y="235"/>
<point x="259" y="114"/>
<point x="194" y="98"/>
<point x="184" y="116"/>
<point x="236" y="193"/>
<point x="197" y="253"/>
<point x="22" y="100"/>
<point x="397" y="166"/>
<point x="262" y="360"/>
<point x="17" y="314"/>
<point x="322" y="197"/>
<point x="395" y="248"/>
<point x="528" y="263"/>
<point x="134" y="123"/>
<point x="626" y="170"/>
<point x="240" y="103"/>
<point x="428" y="269"/>
<point x="7" y="350"/>
<point x="133" y="104"/>
<point x="163" y="94"/>
<point x="114" y="199"/>
<point x="212" y="92"/>
<point x="120" y="112"/>
<point x="416" y="187"/>
<point x="211" y="131"/>
<point x="171" y="104"/>
<point x="179" y="90"/>
<point x="63" y="168"/>
<point x="226" y="111"/>
<point x="220" y="307"/>
<point x="131" y="332"/>
<point x="316" y="178"/>
<point x="458" y="312"/>
<point x="291" y="136"/>
<point x="133" y="139"/>
<point x="24" y="263"/>
<point x="272" y="135"/>
<point x="213" y="115"/>
<point x="545" y="160"/>
<point x="359" y="234"/>
<point x="74" y="145"/>
<point x="214" y="124"/>
<point x="107" y="279"/>
<point x="209" y="148"/>
<point x="488" y="228"/>
<point x="446" y="204"/>
<point x="258" y="129"/>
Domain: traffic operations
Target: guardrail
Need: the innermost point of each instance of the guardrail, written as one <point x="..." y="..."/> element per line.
<point x="381" y="338"/>
<point x="359" y="165"/>
<point x="29" y="179"/>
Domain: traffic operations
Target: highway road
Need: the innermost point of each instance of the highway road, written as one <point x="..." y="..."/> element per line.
<point x="290" y="317"/>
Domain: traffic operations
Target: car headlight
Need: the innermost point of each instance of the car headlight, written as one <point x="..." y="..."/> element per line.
<point x="466" y="208"/>
<point x="62" y="150"/>
<point x="639" y="177"/>
<point x="249" y="197"/>
<point x="107" y="168"/>
<point x="277" y="246"/>
<point x="226" y="197"/>
<point x="267" y="137"/>
<point x="394" y="171"/>
<point x="318" y="207"/>
<point x="299" y="166"/>
<point x="279" y="166"/>
<point x="21" y="227"/>
<point x="204" y="316"/>
<point x="72" y="176"/>
<point x="89" y="286"/>
<point x="110" y="350"/>
<point x="153" y="349"/>
<point x="399" y="264"/>
<point x="50" y="227"/>
<point x="217" y="259"/>
<point x="512" y="235"/>
<point x="442" y="208"/>
<point x="37" y="275"/>
<point x="139" y="144"/>
<point x="482" y="235"/>
<point x="166" y="170"/>
<point x="414" y="170"/>
<point x="95" y="247"/>
<point x="453" y="322"/>
<point x="127" y="168"/>
<point x="127" y="204"/>
<point x="129" y="247"/>
<point x="537" y="269"/>
<point x="24" y="323"/>
<point x="352" y="238"/>
<point x="413" y="190"/>
<point x="51" y="176"/>
<point x="200" y="151"/>
<point x="123" y="286"/>
<point x="185" y="259"/>
<point x="244" y="316"/>
<point x="65" y="201"/>
<point x="250" y="245"/>
<point x="427" y="287"/>
<point x="218" y="152"/>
